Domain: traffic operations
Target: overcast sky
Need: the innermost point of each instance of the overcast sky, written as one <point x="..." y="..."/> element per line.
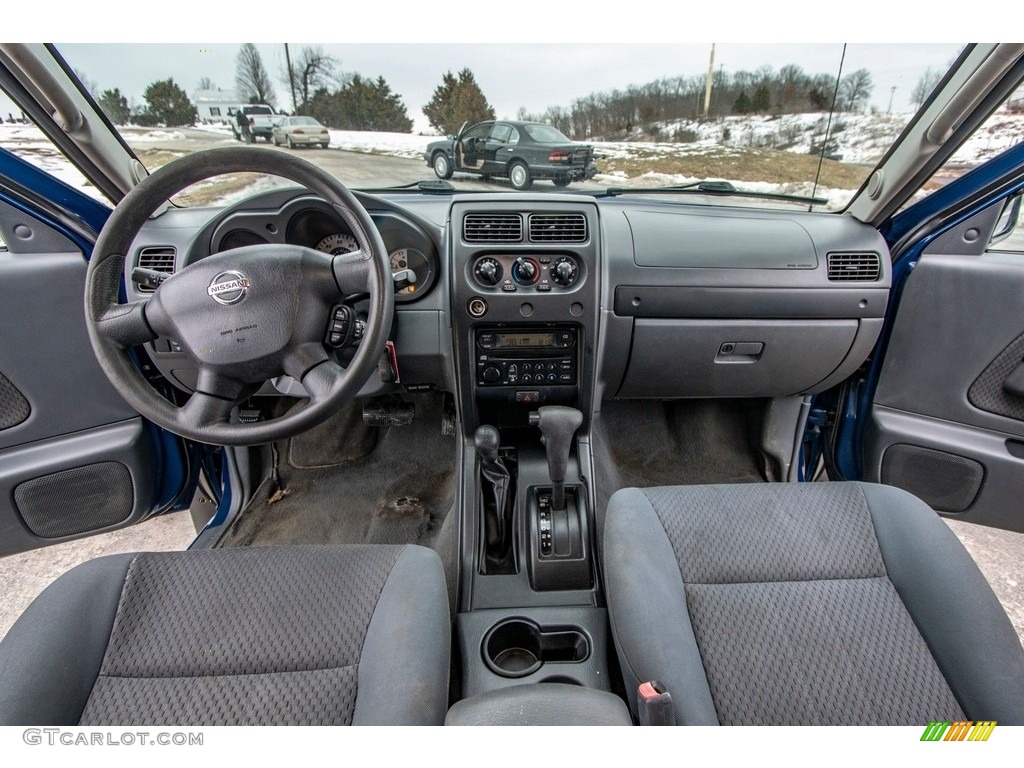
<point x="534" y="76"/>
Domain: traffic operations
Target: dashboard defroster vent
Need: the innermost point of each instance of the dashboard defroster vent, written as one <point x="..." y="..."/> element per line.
<point x="159" y="259"/>
<point x="854" y="266"/>
<point x="558" y="228"/>
<point x="492" y="228"/>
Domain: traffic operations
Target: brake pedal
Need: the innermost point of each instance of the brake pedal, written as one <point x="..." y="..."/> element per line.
<point x="388" y="414"/>
<point x="448" y="416"/>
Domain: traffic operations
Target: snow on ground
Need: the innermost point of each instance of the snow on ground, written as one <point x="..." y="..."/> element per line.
<point x="134" y="136"/>
<point x="220" y="128"/>
<point x="31" y="145"/>
<point x="858" y="138"/>
<point x="382" y="143"/>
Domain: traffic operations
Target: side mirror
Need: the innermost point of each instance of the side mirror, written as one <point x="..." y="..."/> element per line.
<point x="1007" y="220"/>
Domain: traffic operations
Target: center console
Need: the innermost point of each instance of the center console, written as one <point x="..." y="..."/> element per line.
<point x="525" y="316"/>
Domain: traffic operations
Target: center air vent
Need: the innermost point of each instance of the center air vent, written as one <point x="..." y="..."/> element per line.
<point x="558" y="228"/>
<point x="159" y="259"/>
<point x="492" y="228"/>
<point x="853" y="266"/>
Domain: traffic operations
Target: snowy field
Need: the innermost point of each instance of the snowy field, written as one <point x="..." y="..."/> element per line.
<point x="858" y="139"/>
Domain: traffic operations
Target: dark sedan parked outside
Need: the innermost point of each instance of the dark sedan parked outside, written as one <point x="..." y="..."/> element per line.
<point x="521" y="151"/>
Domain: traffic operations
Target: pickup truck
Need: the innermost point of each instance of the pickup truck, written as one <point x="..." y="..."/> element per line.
<point x="261" y="121"/>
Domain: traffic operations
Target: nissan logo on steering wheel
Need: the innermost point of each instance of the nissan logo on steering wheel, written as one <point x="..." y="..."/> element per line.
<point x="229" y="287"/>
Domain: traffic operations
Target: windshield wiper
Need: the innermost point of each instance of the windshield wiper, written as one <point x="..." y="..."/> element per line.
<point x="429" y="186"/>
<point x="723" y="188"/>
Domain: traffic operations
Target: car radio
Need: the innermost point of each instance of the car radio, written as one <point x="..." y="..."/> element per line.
<point x="525" y="357"/>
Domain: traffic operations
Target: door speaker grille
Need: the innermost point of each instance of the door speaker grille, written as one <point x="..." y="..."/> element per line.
<point x="76" y="500"/>
<point x="944" y="481"/>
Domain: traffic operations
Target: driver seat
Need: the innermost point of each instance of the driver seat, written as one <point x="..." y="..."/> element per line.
<point x="248" y="636"/>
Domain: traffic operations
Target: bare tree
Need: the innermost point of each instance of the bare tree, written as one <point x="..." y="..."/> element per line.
<point x="855" y="90"/>
<point x="206" y="84"/>
<point x="251" y="79"/>
<point x="311" y="70"/>
<point x="88" y="82"/>
<point x="925" y="86"/>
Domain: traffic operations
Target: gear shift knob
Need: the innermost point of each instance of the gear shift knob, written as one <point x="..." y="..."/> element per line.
<point x="487" y="440"/>
<point x="557" y="425"/>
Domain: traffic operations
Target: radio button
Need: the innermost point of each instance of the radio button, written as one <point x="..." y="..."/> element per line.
<point x="491" y="374"/>
<point x="565" y="338"/>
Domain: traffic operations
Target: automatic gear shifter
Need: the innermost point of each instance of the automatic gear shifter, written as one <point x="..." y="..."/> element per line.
<point x="498" y="493"/>
<point x="557" y="425"/>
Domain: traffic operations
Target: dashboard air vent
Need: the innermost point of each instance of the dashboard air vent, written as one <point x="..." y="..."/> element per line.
<point x="853" y="266"/>
<point x="492" y="228"/>
<point x="558" y="228"/>
<point x="158" y="258"/>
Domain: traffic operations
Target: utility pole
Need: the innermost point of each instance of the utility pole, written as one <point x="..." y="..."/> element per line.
<point x="711" y="77"/>
<point x="291" y="77"/>
<point x="892" y="92"/>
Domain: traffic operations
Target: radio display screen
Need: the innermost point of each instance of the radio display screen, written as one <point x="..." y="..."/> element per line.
<point x="513" y="340"/>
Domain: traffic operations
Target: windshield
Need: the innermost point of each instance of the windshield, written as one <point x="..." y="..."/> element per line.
<point x="795" y="119"/>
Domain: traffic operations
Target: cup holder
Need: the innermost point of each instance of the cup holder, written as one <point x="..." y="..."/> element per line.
<point x="519" y="647"/>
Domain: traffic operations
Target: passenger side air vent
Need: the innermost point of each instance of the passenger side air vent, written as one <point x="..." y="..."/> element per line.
<point x="159" y="259"/>
<point x="853" y="266"/>
<point x="492" y="228"/>
<point x="558" y="228"/>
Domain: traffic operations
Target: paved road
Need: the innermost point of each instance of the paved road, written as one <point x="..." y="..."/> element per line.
<point x="357" y="169"/>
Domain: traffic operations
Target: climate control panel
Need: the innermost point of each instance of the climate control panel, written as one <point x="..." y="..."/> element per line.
<point x="510" y="273"/>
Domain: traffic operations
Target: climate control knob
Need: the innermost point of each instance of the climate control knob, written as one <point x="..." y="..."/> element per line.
<point x="524" y="271"/>
<point x="564" y="271"/>
<point x="488" y="271"/>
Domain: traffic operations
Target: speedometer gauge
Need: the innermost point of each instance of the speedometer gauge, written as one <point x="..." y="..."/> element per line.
<point x="335" y="244"/>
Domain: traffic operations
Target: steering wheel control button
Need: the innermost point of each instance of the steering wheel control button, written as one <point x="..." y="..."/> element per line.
<point x="477" y="307"/>
<point x="229" y="287"/>
<point x="340" y="327"/>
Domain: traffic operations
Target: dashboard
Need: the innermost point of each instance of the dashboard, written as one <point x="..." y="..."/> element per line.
<point x="527" y="299"/>
<point x="311" y="223"/>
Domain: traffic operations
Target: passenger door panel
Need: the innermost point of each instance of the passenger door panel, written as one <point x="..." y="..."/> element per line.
<point x="943" y="425"/>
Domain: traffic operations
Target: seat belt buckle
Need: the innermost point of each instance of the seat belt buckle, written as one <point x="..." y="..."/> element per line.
<point x="654" y="704"/>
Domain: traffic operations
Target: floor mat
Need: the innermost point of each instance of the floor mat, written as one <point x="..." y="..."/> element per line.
<point x="645" y="443"/>
<point x="399" y="493"/>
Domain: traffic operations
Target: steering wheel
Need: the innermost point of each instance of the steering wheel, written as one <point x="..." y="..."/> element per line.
<point x="242" y="316"/>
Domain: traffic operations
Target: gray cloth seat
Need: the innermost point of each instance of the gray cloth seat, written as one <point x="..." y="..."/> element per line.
<point x="248" y="636"/>
<point x="831" y="603"/>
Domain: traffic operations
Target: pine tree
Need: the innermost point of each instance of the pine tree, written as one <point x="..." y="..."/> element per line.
<point x="456" y="101"/>
<point x="742" y="104"/>
<point x="762" y="101"/>
<point x="115" y="106"/>
<point x="167" y="104"/>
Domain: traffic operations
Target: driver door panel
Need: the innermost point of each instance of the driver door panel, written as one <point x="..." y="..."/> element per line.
<point x="74" y="457"/>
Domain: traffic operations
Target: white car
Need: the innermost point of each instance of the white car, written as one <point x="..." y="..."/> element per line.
<point x="299" y="132"/>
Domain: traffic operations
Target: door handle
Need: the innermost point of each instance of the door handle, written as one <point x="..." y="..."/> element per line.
<point x="1014" y="383"/>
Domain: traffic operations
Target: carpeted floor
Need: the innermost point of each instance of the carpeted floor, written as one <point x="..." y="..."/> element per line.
<point x="644" y="443"/>
<point x="358" y="485"/>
